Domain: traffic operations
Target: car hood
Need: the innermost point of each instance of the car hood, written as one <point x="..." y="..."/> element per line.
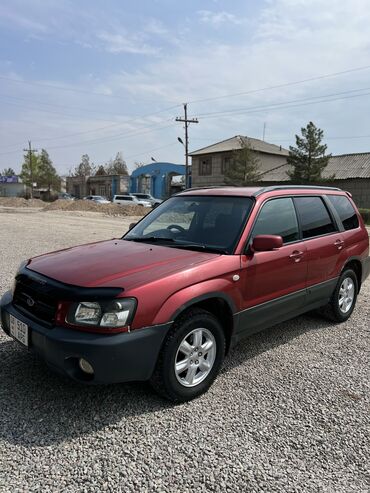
<point x="115" y="263"/>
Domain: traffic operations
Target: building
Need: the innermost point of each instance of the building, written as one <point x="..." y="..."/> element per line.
<point x="351" y="172"/>
<point x="210" y="163"/>
<point x="11" y="186"/>
<point x="159" y="179"/>
<point x="105" y="185"/>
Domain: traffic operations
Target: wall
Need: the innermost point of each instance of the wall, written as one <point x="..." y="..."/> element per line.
<point x="266" y="162"/>
<point x="12" y="189"/>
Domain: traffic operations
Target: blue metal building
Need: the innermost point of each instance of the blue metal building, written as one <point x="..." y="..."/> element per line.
<point x="157" y="179"/>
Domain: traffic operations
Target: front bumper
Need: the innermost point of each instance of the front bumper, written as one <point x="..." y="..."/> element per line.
<point x="115" y="358"/>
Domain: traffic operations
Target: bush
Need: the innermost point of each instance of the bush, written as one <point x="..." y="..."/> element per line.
<point x="365" y="213"/>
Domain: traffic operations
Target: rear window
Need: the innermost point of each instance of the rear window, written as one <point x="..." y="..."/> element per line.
<point x="314" y="217"/>
<point x="345" y="211"/>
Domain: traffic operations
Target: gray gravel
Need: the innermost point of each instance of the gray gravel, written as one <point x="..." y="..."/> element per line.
<point x="290" y="411"/>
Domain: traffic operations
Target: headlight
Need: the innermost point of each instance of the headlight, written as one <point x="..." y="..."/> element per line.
<point x="109" y="314"/>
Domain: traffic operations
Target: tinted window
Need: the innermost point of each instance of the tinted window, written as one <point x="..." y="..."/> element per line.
<point x="278" y="217"/>
<point x="345" y="211"/>
<point x="195" y="221"/>
<point x="314" y="217"/>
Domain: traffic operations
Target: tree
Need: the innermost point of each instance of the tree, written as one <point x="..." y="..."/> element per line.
<point x="30" y="170"/>
<point x="138" y="164"/>
<point x="84" y="168"/>
<point x="308" y="159"/>
<point x="117" y="166"/>
<point x="7" y="172"/>
<point x="243" y="167"/>
<point x="100" y="171"/>
<point x="47" y="174"/>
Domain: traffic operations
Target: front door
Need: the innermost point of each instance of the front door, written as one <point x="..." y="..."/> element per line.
<point x="273" y="282"/>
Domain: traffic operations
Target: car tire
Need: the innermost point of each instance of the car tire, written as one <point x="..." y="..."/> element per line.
<point x="191" y="357"/>
<point x="343" y="300"/>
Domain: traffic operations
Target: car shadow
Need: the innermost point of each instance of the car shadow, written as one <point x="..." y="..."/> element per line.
<point x="40" y="408"/>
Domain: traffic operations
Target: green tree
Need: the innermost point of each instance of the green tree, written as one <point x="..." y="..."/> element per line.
<point x="84" y="168"/>
<point x="117" y="166"/>
<point x="100" y="171"/>
<point x="7" y="172"/>
<point x="243" y="168"/>
<point x="47" y="174"/>
<point x="30" y="169"/>
<point x="308" y="159"/>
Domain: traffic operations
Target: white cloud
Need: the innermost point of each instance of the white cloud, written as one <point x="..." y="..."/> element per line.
<point x="217" y="18"/>
<point x="122" y="43"/>
<point x="7" y="15"/>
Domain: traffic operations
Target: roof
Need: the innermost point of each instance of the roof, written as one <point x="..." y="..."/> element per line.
<point x="158" y="168"/>
<point x="239" y="141"/>
<point x="344" y="166"/>
<point x="256" y="191"/>
<point x="222" y="190"/>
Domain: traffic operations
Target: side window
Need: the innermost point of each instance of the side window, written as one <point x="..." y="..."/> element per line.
<point x="277" y="217"/>
<point x="345" y="211"/>
<point x="314" y="217"/>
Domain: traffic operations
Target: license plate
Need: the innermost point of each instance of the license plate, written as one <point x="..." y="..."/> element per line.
<point x="19" y="330"/>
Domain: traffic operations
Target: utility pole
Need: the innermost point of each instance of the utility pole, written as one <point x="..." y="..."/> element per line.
<point x="30" y="151"/>
<point x="187" y="122"/>
<point x="264" y="131"/>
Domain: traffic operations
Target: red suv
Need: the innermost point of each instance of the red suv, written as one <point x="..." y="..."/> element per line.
<point x="206" y="268"/>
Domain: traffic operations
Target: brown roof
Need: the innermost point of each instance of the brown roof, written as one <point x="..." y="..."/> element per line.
<point x="237" y="142"/>
<point x="344" y="167"/>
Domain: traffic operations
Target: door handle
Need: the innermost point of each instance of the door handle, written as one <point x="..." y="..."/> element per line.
<point x="339" y="244"/>
<point x="296" y="255"/>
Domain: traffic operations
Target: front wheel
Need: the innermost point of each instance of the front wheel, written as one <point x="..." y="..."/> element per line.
<point x="191" y="357"/>
<point x="344" y="298"/>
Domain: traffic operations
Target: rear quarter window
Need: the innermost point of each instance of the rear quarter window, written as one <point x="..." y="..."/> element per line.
<point x="345" y="210"/>
<point x="314" y="217"/>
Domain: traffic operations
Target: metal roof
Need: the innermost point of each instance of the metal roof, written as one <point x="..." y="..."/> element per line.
<point x="239" y="141"/>
<point x="345" y="166"/>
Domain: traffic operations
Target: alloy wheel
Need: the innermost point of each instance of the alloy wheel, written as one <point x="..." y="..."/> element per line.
<point x="195" y="357"/>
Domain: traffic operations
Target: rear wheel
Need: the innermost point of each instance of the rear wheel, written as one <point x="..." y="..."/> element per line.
<point x="191" y="357"/>
<point x="344" y="298"/>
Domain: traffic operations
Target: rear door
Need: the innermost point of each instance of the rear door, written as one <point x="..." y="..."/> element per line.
<point x="324" y="243"/>
<point x="274" y="282"/>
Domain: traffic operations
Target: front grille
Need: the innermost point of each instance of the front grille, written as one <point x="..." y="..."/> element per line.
<point x="34" y="300"/>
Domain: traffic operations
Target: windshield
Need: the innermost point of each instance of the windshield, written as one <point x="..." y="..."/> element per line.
<point x="211" y="223"/>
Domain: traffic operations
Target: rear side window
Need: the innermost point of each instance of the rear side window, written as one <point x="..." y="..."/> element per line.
<point x="278" y="217"/>
<point x="345" y="211"/>
<point x="314" y="217"/>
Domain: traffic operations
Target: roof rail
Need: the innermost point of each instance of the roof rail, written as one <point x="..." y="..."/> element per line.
<point x="292" y="187"/>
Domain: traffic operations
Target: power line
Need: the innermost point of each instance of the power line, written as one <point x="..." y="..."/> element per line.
<point x="104" y="139"/>
<point x="127" y="122"/>
<point x="278" y="106"/>
<point x="279" y="86"/>
<point x="61" y="88"/>
<point x="58" y="105"/>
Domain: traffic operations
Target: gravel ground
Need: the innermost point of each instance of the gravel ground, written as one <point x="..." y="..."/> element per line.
<point x="289" y="413"/>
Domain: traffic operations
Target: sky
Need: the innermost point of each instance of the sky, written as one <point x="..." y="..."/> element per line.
<point x="98" y="77"/>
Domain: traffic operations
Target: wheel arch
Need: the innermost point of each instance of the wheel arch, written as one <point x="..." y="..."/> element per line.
<point x="355" y="264"/>
<point x="219" y="305"/>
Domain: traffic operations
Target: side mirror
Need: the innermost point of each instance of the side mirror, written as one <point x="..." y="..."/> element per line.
<point x="266" y="243"/>
<point x="131" y="226"/>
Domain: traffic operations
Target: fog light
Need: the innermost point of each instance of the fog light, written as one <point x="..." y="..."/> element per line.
<point x="85" y="366"/>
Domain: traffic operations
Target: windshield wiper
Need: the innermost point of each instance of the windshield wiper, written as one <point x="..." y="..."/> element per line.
<point x="201" y="247"/>
<point x="143" y="239"/>
<point x="176" y="244"/>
